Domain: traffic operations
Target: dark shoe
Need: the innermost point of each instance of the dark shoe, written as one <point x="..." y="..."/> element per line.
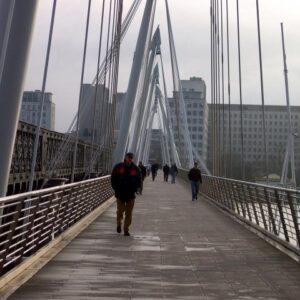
<point x="126" y="233"/>
<point x="118" y="229"/>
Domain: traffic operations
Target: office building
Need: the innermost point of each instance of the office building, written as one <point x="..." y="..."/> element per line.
<point x="95" y="114"/>
<point x="194" y="94"/>
<point x="155" y="152"/>
<point x="31" y="105"/>
<point x="277" y="128"/>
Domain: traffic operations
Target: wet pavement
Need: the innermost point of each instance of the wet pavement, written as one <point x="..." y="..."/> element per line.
<point x="178" y="249"/>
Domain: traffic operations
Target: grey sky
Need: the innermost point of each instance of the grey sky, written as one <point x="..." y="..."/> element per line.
<point x="191" y="28"/>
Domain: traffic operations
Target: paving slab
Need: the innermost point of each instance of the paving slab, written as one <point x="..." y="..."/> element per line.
<point x="178" y="249"/>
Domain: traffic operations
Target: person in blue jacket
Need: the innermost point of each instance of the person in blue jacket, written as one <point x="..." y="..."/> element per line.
<point x="195" y="178"/>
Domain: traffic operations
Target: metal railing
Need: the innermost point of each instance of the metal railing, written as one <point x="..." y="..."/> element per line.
<point x="29" y="221"/>
<point x="273" y="210"/>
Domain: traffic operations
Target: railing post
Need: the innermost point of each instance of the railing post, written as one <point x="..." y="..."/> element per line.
<point x="261" y="209"/>
<point x="253" y="205"/>
<point x="215" y="190"/>
<point x="281" y="216"/>
<point x="219" y="191"/>
<point x="224" y="193"/>
<point x="231" y="195"/>
<point x="209" y="187"/>
<point x="245" y="190"/>
<point x="294" y="216"/>
<point x="236" y="197"/>
<point x="271" y="216"/>
<point x="241" y="198"/>
<point x="226" y="201"/>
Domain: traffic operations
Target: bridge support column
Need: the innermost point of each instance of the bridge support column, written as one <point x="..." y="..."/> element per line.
<point x="133" y="82"/>
<point x="15" y="38"/>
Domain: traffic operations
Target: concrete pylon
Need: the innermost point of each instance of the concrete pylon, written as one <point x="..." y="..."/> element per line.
<point x="133" y="82"/>
<point x="16" y="43"/>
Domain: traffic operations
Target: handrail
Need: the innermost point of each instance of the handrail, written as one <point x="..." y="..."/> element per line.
<point x="256" y="184"/>
<point x="47" y="190"/>
<point x="29" y="221"/>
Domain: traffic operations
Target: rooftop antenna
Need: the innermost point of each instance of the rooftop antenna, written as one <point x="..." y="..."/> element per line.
<point x="289" y="154"/>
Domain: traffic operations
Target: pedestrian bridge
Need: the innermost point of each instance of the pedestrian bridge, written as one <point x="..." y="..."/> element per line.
<point x="67" y="246"/>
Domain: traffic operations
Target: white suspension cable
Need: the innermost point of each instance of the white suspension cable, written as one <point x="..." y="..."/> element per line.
<point x="174" y="156"/>
<point x="186" y="154"/>
<point x="80" y="91"/>
<point x="38" y="129"/>
<point x="165" y="125"/>
<point x="141" y="142"/>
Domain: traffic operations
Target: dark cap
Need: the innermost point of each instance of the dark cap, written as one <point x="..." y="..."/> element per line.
<point x="129" y="154"/>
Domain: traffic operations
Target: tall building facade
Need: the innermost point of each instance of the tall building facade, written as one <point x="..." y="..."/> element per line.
<point x="95" y="115"/>
<point x="277" y="128"/>
<point x="155" y="153"/>
<point x="31" y="104"/>
<point x="194" y="94"/>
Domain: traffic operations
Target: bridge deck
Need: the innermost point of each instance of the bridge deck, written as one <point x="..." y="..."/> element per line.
<point x="179" y="249"/>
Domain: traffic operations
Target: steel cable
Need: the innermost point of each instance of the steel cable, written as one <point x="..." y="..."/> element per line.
<point x="240" y="91"/>
<point x="262" y="94"/>
<point x="80" y="91"/>
<point x="228" y="91"/>
<point x="38" y="129"/>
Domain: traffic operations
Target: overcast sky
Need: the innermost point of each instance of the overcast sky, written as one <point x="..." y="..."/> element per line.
<point x="191" y="28"/>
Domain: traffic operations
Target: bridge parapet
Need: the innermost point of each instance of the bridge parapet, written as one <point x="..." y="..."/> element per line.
<point x="274" y="211"/>
<point x="29" y="221"/>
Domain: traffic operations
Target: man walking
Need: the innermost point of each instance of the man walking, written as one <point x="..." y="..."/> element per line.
<point x="143" y="175"/>
<point x="154" y="169"/>
<point x="166" y="170"/>
<point x="194" y="176"/>
<point x="173" y="172"/>
<point x="125" y="181"/>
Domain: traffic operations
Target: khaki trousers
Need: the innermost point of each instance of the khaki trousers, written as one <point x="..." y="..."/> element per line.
<point x="126" y="207"/>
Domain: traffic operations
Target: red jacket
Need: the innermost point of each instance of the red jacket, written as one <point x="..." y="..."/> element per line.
<point x="125" y="180"/>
